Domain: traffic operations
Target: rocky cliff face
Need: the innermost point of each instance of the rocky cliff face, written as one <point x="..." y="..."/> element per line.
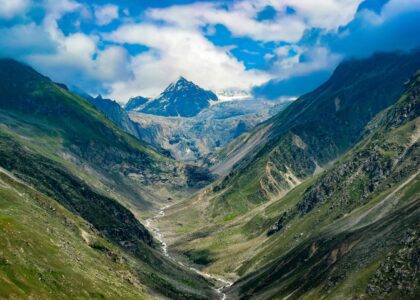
<point x="181" y="98"/>
<point x="194" y="139"/>
<point x="136" y="103"/>
<point x="113" y="111"/>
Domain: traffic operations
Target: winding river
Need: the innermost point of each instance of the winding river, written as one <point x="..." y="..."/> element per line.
<point x="159" y="236"/>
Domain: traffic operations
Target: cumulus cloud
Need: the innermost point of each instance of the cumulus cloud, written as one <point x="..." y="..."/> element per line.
<point x="148" y="50"/>
<point x="74" y="59"/>
<point x="303" y="60"/>
<point x="178" y="47"/>
<point x="398" y="7"/>
<point x="24" y="39"/>
<point x="178" y="52"/>
<point x="12" y="8"/>
<point x="241" y="17"/>
<point x="391" y="27"/>
<point x="326" y="14"/>
<point x="85" y="65"/>
<point x="394" y="27"/>
<point x="106" y="14"/>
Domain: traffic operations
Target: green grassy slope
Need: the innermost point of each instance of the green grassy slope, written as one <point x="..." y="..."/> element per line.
<point x="49" y="253"/>
<point x="225" y="225"/>
<point x="66" y="150"/>
<point x="354" y="230"/>
<point x="313" y="131"/>
<point x="71" y="129"/>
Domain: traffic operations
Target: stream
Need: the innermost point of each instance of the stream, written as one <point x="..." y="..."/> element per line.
<point x="159" y="236"/>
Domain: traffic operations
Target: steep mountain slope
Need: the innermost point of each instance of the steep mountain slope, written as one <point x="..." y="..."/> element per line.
<point x="57" y="147"/>
<point x="49" y="253"/>
<point x="354" y="231"/>
<point x="136" y="103"/>
<point x="226" y="224"/>
<point x="313" y="131"/>
<point x="115" y="113"/>
<point x="194" y="139"/>
<point x="181" y="98"/>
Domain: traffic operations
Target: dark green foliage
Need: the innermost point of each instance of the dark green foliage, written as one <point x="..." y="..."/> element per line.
<point x="199" y="257"/>
<point x="105" y="214"/>
<point x="197" y="176"/>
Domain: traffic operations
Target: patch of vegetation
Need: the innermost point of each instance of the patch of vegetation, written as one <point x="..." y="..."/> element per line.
<point x="200" y="257"/>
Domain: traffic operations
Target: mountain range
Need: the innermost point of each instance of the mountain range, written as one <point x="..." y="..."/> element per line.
<point x="196" y="139"/>
<point x="192" y="139"/>
<point x="316" y="198"/>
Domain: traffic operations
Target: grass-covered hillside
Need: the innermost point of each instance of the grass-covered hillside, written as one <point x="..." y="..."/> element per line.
<point x="313" y="131"/>
<point x="71" y="171"/>
<point x="224" y="232"/>
<point x="353" y="232"/>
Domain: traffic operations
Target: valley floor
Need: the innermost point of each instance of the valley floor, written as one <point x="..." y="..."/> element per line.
<point x="225" y="253"/>
<point x="153" y="223"/>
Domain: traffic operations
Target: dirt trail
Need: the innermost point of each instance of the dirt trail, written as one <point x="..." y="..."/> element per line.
<point x="159" y="236"/>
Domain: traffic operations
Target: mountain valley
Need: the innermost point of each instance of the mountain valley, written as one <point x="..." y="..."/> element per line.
<point x="277" y="197"/>
<point x="190" y="137"/>
<point x="187" y="196"/>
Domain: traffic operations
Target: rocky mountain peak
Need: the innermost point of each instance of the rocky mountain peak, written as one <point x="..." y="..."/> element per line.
<point x="136" y="103"/>
<point x="181" y="98"/>
<point x="181" y="84"/>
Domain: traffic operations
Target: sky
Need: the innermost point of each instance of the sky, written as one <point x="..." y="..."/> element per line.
<point x="270" y="48"/>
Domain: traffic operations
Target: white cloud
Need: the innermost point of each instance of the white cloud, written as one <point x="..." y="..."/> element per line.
<point x="74" y="59"/>
<point x="240" y="17"/>
<point x="179" y="47"/>
<point x="177" y="44"/>
<point x="324" y="14"/>
<point x="106" y="14"/>
<point x="394" y="8"/>
<point x="23" y="39"/>
<point x="178" y="52"/>
<point x="83" y="63"/>
<point x="54" y="11"/>
<point x="113" y="64"/>
<point x="305" y="60"/>
<point x="12" y="8"/>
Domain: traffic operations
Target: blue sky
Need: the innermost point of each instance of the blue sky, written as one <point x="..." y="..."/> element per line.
<point x="274" y="48"/>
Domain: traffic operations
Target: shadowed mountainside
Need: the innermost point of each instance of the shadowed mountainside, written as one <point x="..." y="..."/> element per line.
<point x="59" y="153"/>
